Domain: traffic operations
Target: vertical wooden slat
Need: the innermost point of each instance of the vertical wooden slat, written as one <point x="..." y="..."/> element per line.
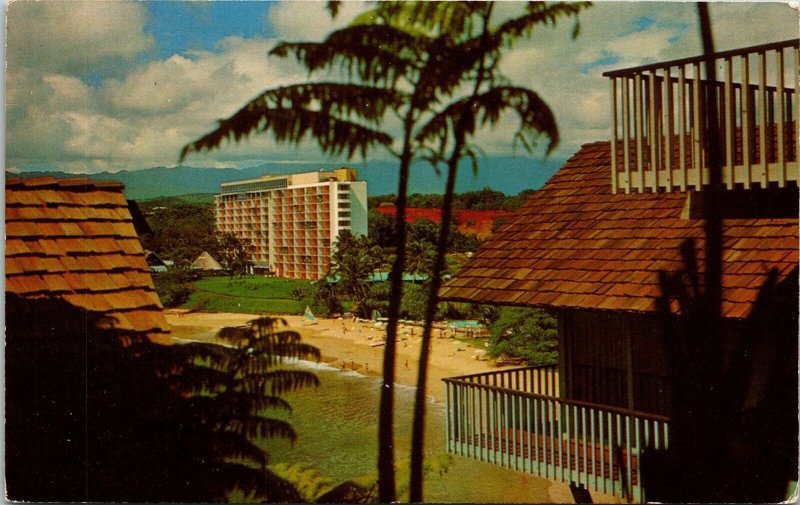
<point x="603" y="446"/>
<point x="537" y="413"/>
<point x="611" y="445"/>
<point x="567" y="412"/>
<point x="594" y="452"/>
<point x="626" y="131"/>
<point x="668" y="127"/>
<point x="514" y="430"/>
<point x="638" y="105"/>
<point x="506" y="429"/>
<point x="730" y="132"/>
<point x="639" y="488"/>
<point x="529" y="430"/>
<point x="613" y="135"/>
<point x="471" y="429"/>
<point x="481" y="426"/>
<point x="656" y="436"/>
<point x="620" y="442"/>
<point x="457" y="421"/>
<point x="585" y="438"/>
<point x="628" y="457"/>
<point x="682" y="125"/>
<point x="652" y="137"/>
<point x="447" y="416"/>
<point x="548" y="440"/>
<point x="746" y="162"/>
<point x="762" y="118"/>
<point x="697" y="129"/>
<point x="559" y="430"/>
<point x="779" y="119"/>
<point x="491" y="445"/>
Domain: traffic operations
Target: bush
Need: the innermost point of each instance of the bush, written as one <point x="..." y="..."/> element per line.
<point x="415" y="298"/>
<point x="174" y="288"/>
<point x="323" y="300"/>
<point x="528" y="334"/>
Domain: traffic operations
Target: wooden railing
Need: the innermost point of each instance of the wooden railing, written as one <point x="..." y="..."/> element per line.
<point x="516" y="419"/>
<point x="657" y="120"/>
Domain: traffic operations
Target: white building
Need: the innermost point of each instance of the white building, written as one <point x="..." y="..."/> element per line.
<point x="291" y="222"/>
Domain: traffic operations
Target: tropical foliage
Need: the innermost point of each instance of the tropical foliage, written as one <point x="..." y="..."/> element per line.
<point x="525" y="335"/>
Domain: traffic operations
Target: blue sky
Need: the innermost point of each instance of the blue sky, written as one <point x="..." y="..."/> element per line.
<point x="180" y="26"/>
<point x="94" y="86"/>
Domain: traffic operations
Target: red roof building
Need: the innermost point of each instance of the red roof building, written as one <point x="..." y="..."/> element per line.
<point x="74" y="240"/>
<point x="476" y="222"/>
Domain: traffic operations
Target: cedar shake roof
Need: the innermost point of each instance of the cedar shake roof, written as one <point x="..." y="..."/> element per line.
<point x="575" y="244"/>
<point x="74" y="239"/>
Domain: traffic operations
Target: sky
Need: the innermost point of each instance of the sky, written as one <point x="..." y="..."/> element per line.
<point x="106" y="86"/>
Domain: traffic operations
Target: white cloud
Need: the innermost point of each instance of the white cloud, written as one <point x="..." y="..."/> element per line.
<point x="310" y="20"/>
<point x="145" y="112"/>
<point x="65" y="37"/>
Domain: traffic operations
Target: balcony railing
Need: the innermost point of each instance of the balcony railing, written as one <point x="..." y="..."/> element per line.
<point x="516" y="418"/>
<point x="658" y="114"/>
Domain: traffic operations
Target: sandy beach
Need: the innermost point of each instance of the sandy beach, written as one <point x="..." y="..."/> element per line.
<point x="352" y="345"/>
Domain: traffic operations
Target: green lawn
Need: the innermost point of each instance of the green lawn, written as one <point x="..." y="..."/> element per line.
<point x="253" y="295"/>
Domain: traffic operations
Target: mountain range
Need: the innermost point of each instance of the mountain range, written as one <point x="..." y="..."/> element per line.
<point x="507" y="174"/>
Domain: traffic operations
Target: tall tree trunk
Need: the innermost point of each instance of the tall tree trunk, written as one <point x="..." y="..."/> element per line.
<point x="418" y="433"/>
<point x="387" y="487"/>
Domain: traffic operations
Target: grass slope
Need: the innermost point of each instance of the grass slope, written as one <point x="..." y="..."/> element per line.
<point x="252" y="295"/>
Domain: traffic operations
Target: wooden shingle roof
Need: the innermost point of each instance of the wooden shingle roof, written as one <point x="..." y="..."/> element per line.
<point x="74" y="240"/>
<point x="575" y="244"/>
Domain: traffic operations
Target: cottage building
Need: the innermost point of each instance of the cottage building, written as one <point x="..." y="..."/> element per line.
<point x="78" y="292"/>
<point x="594" y="245"/>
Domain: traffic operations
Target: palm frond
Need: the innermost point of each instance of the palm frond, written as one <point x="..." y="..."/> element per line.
<point x="199" y="380"/>
<point x="255" y="427"/>
<point x="332" y="113"/>
<point x="427" y="18"/>
<point x="276" y="381"/>
<point x="535" y="116"/>
<point x="233" y="446"/>
<point x="378" y="54"/>
<point x="536" y="13"/>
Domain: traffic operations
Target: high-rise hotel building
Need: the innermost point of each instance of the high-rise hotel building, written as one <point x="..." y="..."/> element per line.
<point x="291" y="222"/>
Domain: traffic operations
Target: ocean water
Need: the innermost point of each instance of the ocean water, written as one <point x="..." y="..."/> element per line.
<point x="337" y="430"/>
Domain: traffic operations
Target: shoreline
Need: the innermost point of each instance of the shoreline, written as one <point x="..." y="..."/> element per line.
<point x="352" y="346"/>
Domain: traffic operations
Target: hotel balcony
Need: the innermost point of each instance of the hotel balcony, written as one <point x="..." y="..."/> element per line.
<point x="517" y="418"/>
<point x="658" y="116"/>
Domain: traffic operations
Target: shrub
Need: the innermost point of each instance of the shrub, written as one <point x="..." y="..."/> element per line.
<point x="528" y="334"/>
<point x="174" y="288"/>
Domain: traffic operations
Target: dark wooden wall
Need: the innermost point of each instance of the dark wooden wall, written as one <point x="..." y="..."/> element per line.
<point x="613" y="358"/>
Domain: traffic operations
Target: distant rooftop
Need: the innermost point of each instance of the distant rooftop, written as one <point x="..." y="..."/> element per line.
<point x="269" y="182"/>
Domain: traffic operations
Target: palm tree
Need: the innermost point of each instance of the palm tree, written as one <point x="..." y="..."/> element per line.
<point x="449" y="131"/>
<point x="387" y="69"/>
<point x="229" y="394"/>
<point x="354" y="261"/>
